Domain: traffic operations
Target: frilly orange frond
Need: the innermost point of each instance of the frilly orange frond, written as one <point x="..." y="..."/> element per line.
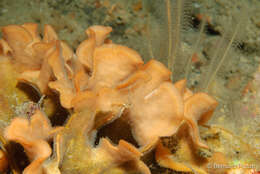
<point x="19" y="39"/>
<point x="101" y="77"/>
<point x="181" y="86"/>
<point x="62" y="83"/>
<point x="198" y="108"/>
<point x="49" y="34"/>
<point x="32" y="28"/>
<point x="4" y="47"/>
<point x="121" y="153"/>
<point x="154" y="102"/>
<point x="86" y="49"/>
<point x="111" y="59"/>
<point x="32" y="134"/>
<point x="101" y="33"/>
<point x="198" y="113"/>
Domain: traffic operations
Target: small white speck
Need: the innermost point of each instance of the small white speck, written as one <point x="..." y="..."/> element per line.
<point x="150" y="94"/>
<point x="196" y="5"/>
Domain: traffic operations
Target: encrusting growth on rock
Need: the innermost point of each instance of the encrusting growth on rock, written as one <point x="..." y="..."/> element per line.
<point x="101" y="77"/>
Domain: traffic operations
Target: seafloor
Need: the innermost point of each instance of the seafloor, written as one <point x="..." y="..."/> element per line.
<point x="236" y="130"/>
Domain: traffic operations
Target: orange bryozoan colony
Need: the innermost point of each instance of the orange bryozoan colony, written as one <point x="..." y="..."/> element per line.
<point x="100" y="83"/>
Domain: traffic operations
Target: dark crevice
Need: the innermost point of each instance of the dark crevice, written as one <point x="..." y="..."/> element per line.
<point x="115" y="131"/>
<point x="60" y="114"/>
<point x="210" y="30"/>
<point x="30" y="91"/>
<point x="195" y="22"/>
<point x="17" y="158"/>
<point x="245" y="48"/>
